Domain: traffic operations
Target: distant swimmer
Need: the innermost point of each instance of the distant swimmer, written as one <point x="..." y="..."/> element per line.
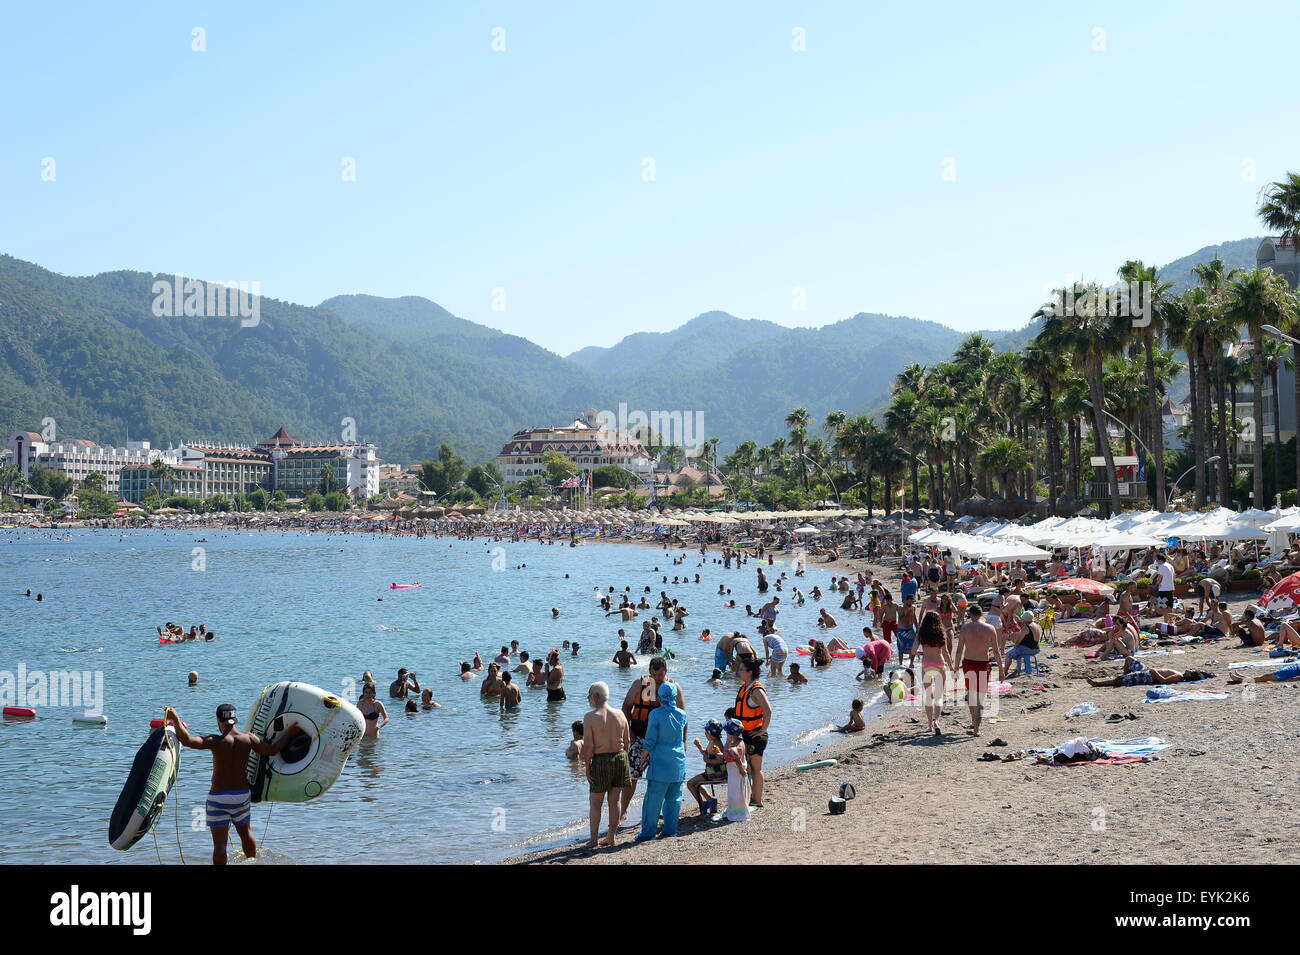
<point x="574" y="750"/>
<point x="405" y="683"/>
<point x="194" y="678"/>
<point x="624" y="657"/>
<point x="466" y="671"/>
<point x="229" y="800"/>
<point x="510" y="695"/>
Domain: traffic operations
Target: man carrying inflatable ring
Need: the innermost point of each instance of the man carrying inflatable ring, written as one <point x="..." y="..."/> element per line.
<point x="229" y="800"/>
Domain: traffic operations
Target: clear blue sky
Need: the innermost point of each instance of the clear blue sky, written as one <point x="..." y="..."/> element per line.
<point x="775" y="170"/>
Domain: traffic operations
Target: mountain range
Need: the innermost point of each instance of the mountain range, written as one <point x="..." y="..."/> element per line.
<point x="91" y="353"/>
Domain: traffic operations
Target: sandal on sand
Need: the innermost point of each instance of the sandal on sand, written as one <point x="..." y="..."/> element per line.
<point x="989" y="758"/>
<point x="997" y="741"/>
<point x="1115" y="718"/>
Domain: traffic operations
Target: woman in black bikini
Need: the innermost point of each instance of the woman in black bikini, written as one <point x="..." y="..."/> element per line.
<point x="374" y="712"/>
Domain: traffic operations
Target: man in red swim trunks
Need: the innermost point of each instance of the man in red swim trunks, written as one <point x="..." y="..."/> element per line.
<point x="975" y="641"/>
<point x="888" y="617"/>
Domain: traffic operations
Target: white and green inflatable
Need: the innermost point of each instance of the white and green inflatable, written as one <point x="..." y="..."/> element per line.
<point x="153" y="773"/>
<point x="308" y="766"/>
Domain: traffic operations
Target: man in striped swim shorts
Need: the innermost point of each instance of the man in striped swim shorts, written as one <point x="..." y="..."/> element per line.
<point x="229" y="800"/>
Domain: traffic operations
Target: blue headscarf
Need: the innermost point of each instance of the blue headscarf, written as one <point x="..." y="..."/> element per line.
<point x="668" y="693"/>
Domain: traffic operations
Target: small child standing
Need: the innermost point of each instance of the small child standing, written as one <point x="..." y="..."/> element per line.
<point x="737" y="774"/>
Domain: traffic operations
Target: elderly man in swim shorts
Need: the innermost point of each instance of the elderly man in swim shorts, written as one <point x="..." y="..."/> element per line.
<point x="605" y="743"/>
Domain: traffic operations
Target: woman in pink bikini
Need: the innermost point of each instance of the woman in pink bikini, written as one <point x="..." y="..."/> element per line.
<point x="936" y="661"/>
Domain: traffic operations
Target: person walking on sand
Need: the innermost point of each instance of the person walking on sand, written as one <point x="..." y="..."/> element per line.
<point x="605" y="744"/>
<point x="975" y="641"/>
<point x="754" y="713"/>
<point x="935" y="664"/>
<point x="229" y="799"/>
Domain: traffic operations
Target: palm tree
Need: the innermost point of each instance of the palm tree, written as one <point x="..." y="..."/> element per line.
<point x="900" y="420"/>
<point x="1048" y="367"/>
<point x="798" y="421"/>
<point x="1280" y="211"/>
<point x="163" y="473"/>
<point x="855" y="442"/>
<point x="1276" y="354"/>
<point x="1136" y="273"/>
<point x="1092" y="336"/>
<point x="1005" y="457"/>
<point x="1256" y="298"/>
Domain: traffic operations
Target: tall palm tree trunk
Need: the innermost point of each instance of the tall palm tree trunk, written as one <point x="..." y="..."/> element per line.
<point x="1225" y="465"/>
<point x="1257" y="409"/>
<point x="1156" y="429"/>
<point x="1100" y="434"/>
<point x="1295" y="349"/>
<point x="1277" y="434"/>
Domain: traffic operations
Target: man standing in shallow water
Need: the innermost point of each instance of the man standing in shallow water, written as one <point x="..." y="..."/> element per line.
<point x="229" y="799"/>
<point x="605" y="744"/>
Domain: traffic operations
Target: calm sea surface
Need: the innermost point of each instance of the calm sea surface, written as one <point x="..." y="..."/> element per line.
<point x="460" y="784"/>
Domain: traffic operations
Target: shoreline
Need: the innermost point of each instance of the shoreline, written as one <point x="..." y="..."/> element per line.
<point x="1218" y="795"/>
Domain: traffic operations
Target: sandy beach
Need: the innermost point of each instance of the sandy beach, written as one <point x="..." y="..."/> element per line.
<point x="1217" y="795"/>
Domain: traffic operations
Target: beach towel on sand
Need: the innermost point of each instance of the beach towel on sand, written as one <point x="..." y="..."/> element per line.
<point x="1167" y="694"/>
<point x="1107" y="752"/>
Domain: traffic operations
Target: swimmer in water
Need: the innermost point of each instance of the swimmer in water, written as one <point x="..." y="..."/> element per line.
<point x="510" y="695"/>
<point x="574" y="750"/>
<point x="624" y="657"/>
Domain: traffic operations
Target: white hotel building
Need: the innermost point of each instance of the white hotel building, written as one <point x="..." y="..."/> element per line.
<point x="588" y="446"/>
<point x="78" y="458"/>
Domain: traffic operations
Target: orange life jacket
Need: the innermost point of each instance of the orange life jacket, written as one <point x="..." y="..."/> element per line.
<point x="750" y="716"/>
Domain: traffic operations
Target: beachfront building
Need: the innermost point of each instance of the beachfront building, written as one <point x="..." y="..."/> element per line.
<point x="1285" y="261"/>
<point x="78" y="458"/>
<point x="1131" y="472"/>
<point x="586" y="445"/>
<point x="280" y="463"/>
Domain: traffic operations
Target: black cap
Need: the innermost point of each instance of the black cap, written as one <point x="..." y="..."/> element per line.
<point x="226" y="714"/>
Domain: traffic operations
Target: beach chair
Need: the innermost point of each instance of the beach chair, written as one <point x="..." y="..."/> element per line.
<point x="1048" y="624"/>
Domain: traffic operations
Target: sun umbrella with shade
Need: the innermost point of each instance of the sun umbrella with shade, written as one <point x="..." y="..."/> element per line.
<point x="1283" y="596"/>
<point x="1084" y="586"/>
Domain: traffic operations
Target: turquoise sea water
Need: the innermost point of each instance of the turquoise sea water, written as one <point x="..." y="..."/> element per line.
<point x="461" y="784"/>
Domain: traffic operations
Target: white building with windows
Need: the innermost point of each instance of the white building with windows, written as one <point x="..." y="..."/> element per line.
<point x="78" y="458"/>
<point x="588" y="446"/>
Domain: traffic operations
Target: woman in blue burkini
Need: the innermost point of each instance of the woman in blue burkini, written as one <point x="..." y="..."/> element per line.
<point x="665" y="753"/>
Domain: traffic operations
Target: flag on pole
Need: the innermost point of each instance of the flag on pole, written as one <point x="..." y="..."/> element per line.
<point x="901" y="492"/>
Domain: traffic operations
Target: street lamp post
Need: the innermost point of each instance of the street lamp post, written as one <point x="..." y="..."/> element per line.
<point x="829" y="479"/>
<point x="1193" y="468"/>
<point x="901" y="528"/>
